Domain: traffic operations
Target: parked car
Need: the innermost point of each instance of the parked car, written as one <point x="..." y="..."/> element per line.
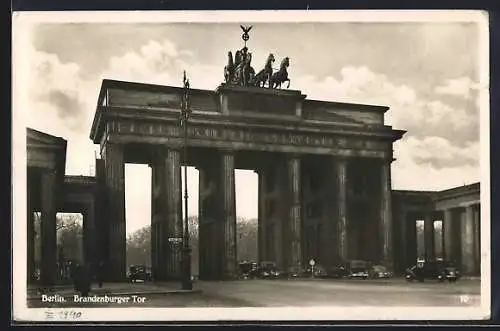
<point x="266" y="269"/>
<point x="359" y="269"/>
<point x="339" y="271"/>
<point x="267" y="272"/>
<point x="293" y="273"/>
<point x="139" y="273"/>
<point x="247" y="269"/>
<point x="379" y="271"/>
<point x="435" y="270"/>
<point x="317" y="271"/>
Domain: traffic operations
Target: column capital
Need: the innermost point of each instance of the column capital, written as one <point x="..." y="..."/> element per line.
<point x="162" y="150"/>
<point x="226" y="150"/>
<point x="472" y="205"/>
<point x="291" y="156"/>
<point x="341" y="158"/>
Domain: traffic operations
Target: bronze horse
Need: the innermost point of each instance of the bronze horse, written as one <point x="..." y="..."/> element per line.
<point x="229" y="68"/>
<point x="265" y="74"/>
<point x="281" y="75"/>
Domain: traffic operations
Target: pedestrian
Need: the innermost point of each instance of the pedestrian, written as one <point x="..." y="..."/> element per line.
<point x="85" y="280"/>
<point x="100" y="273"/>
<point x="75" y="276"/>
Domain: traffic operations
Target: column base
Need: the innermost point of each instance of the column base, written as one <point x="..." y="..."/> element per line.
<point x="187" y="283"/>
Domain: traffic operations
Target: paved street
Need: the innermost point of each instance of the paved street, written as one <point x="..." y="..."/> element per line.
<point x="276" y="293"/>
<point x="348" y="293"/>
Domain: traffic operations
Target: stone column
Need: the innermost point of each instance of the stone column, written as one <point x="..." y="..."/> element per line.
<point x="172" y="220"/>
<point x="404" y="255"/>
<point x="48" y="229"/>
<point x="154" y="221"/>
<point x="411" y="238"/>
<point x="477" y="238"/>
<point x="102" y="220"/>
<point x="262" y="225"/>
<point x="228" y="196"/>
<point x="429" y="236"/>
<point x="115" y="182"/>
<point x="203" y="263"/>
<point x="294" y="225"/>
<point x="386" y="215"/>
<point x="448" y="235"/>
<point x="468" y="258"/>
<point x="341" y="208"/>
<point x="89" y="235"/>
<point x="31" y="234"/>
<point x="211" y="219"/>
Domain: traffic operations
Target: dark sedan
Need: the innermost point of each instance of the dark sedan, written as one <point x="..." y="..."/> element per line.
<point x="139" y="273"/>
<point x="434" y="270"/>
<point x="317" y="271"/>
<point x="380" y="271"/>
<point x="268" y="273"/>
<point x="359" y="269"/>
<point x="339" y="271"/>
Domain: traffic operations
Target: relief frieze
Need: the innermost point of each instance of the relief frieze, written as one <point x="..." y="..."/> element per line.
<point x="247" y="135"/>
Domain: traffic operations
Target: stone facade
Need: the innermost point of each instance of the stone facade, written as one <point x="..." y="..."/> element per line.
<point x="323" y="168"/>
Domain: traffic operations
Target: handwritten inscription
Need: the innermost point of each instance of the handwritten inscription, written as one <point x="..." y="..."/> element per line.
<point x="247" y="135"/>
<point x="63" y="315"/>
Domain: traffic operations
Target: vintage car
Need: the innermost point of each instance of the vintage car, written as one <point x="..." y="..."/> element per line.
<point x="317" y="271"/>
<point x="379" y="271"/>
<point x="434" y="270"/>
<point x="269" y="272"/>
<point x="139" y="273"/>
<point x="339" y="271"/>
<point x="358" y="269"/>
<point x="247" y="269"/>
<point x="265" y="270"/>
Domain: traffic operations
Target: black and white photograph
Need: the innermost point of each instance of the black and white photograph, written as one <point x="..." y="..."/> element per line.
<point x="250" y="165"/>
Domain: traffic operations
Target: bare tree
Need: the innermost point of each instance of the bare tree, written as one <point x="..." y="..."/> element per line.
<point x="69" y="231"/>
<point x="62" y="221"/>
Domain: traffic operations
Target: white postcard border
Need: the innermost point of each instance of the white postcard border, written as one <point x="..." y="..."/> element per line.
<point x="22" y="25"/>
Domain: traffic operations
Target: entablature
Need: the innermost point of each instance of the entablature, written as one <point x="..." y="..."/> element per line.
<point x="233" y="105"/>
<point x="165" y="122"/>
<point x="234" y="133"/>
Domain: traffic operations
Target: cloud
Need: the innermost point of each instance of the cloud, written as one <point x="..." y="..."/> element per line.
<point x="57" y="87"/>
<point x="60" y="102"/>
<point x="460" y="87"/>
<point x="416" y="168"/>
<point x="162" y="63"/>
<point x="441" y="153"/>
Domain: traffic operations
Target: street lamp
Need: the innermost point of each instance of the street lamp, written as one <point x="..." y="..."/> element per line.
<point x="186" y="250"/>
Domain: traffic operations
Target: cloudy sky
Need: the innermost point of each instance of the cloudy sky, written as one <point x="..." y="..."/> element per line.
<point x="428" y="73"/>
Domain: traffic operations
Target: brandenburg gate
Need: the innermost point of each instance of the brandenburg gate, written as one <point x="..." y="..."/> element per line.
<point x="323" y="168"/>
